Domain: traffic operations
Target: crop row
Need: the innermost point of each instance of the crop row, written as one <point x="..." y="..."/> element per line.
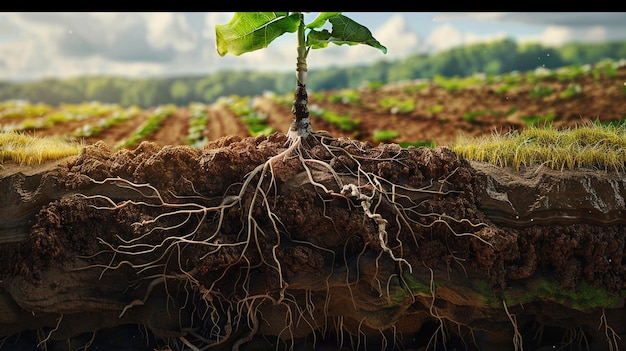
<point x="241" y="106"/>
<point x="23" y="115"/>
<point x="374" y="112"/>
<point x="149" y="126"/>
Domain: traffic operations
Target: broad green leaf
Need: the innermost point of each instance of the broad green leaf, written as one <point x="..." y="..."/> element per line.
<point x="344" y="31"/>
<point x="321" y="19"/>
<point x="250" y="31"/>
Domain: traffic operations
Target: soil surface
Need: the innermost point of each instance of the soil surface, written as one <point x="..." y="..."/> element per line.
<point x="334" y="243"/>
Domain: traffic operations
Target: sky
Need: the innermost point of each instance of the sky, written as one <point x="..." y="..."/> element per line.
<point x="151" y="44"/>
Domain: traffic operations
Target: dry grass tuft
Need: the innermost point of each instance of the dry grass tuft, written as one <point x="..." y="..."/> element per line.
<point x="30" y="150"/>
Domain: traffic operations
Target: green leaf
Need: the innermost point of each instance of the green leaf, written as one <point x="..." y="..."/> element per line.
<point x="250" y="31"/>
<point x="321" y="19"/>
<point x="344" y="31"/>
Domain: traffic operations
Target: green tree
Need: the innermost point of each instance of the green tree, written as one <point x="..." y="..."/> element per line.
<point x="180" y="92"/>
<point x="103" y="89"/>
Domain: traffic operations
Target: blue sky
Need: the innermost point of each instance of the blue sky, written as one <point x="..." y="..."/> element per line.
<point x="136" y="44"/>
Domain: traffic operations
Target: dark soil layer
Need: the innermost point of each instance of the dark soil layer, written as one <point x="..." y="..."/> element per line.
<point x="335" y="244"/>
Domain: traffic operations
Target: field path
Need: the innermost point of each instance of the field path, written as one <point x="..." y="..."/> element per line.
<point x="173" y="129"/>
<point x="222" y="122"/>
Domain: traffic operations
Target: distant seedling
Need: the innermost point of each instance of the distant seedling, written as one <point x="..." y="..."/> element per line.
<point x="420" y="143"/>
<point x="396" y="105"/>
<point x="345" y="96"/>
<point x="539" y="91"/>
<point x="458" y="83"/>
<point x="592" y="145"/>
<point x="385" y="135"/>
<point x="416" y="87"/>
<point x="572" y="89"/>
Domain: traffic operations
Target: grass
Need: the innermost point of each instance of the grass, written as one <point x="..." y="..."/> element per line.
<point x="533" y="121"/>
<point x="30" y="150"/>
<point x="590" y="145"/>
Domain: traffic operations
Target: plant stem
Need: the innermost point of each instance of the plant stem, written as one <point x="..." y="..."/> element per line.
<point x="301" y="125"/>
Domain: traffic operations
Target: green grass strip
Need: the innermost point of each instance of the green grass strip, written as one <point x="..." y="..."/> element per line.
<point x="591" y="145"/>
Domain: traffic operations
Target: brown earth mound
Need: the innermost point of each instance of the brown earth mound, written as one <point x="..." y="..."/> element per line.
<point x="268" y="243"/>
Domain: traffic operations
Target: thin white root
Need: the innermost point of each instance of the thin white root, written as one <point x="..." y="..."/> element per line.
<point x="611" y="335"/>
<point x="249" y="336"/>
<point x="517" y="337"/>
<point x="45" y="340"/>
<point x="352" y="190"/>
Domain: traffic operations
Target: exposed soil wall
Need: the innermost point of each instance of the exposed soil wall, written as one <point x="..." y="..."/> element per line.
<point x="333" y="241"/>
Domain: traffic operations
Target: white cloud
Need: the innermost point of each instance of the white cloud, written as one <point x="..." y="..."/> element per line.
<point x="447" y="36"/>
<point x="444" y="37"/>
<point x="559" y="35"/>
<point x="22" y="58"/>
<point x="170" y="30"/>
<point x="397" y="37"/>
<point x="211" y="20"/>
<point x="472" y="38"/>
<point x="569" y="19"/>
<point x="446" y="16"/>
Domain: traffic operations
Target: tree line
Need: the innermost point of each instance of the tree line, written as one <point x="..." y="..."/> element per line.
<point x="492" y="58"/>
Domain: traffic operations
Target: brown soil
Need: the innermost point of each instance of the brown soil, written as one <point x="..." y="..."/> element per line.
<point x="338" y="243"/>
<point x="223" y="122"/>
<point x="93" y="250"/>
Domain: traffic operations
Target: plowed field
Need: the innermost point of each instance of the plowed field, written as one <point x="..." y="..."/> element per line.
<point x="438" y="113"/>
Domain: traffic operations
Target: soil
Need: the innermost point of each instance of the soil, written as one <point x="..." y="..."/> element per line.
<point x="337" y="243"/>
<point x="94" y="248"/>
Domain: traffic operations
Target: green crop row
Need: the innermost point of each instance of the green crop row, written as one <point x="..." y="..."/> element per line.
<point x="241" y="106"/>
<point x="115" y="118"/>
<point x="344" y="122"/>
<point x="40" y="116"/>
<point x="149" y="126"/>
<point x="22" y="109"/>
<point x="198" y="119"/>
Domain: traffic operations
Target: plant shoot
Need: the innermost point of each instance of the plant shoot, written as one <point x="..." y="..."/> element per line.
<point x="250" y="31"/>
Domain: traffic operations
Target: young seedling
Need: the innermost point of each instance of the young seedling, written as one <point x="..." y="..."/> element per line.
<point x="250" y="31"/>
